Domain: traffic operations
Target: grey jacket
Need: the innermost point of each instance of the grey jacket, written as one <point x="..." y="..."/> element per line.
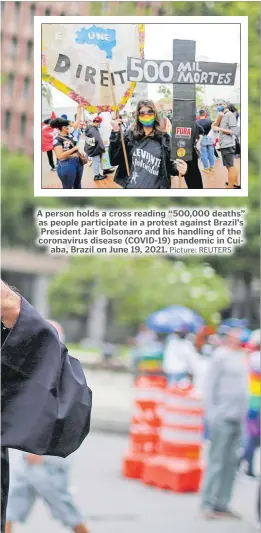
<point x="227" y="386"/>
<point x="228" y="122"/>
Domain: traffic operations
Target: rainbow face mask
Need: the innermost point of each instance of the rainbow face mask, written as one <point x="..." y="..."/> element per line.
<point x="147" y="120"/>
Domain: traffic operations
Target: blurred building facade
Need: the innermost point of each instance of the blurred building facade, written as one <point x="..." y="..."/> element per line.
<point x="17" y="58"/>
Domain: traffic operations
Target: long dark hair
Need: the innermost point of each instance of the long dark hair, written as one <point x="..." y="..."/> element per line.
<point x="137" y="128"/>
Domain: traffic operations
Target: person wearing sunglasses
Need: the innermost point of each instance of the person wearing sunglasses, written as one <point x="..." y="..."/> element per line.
<point x="148" y="152"/>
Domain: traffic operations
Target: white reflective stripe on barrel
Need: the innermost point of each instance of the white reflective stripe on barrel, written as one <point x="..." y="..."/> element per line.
<point x="184" y="419"/>
<point x="176" y="436"/>
<point x="186" y="402"/>
<point x="143" y="429"/>
<point x="155" y="395"/>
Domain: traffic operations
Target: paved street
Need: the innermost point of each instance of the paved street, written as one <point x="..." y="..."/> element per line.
<point x="50" y="179"/>
<point x="111" y="504"/>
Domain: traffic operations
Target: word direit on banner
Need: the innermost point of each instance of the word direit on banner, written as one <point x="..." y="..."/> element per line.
<point x="88" y="62"/>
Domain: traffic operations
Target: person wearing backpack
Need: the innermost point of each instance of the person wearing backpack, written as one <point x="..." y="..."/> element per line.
<point x="148" y="152"/>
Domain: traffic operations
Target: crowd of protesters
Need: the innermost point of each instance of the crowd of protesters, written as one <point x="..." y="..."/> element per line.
<point x="147" y="161"/>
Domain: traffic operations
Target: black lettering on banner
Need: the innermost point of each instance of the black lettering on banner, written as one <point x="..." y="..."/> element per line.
<point x="104" y="78"/>
<point x="78" y="71"/>
<point x="63" y="63"/>
<point x="120" y="72"/>
<point x="89" y="74"/>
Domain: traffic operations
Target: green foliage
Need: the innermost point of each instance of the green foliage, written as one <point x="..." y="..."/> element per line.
<point x="47" y="93"/>
<point x="136" y="287"/>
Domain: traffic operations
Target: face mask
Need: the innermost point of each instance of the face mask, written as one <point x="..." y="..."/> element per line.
<point x="220" y="108"/>
<point x="147" y="120"/>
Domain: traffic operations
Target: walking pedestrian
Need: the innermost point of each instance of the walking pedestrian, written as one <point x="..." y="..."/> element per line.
<point x="226" y="406"/>
<point x="226" y="125"/>
<point x="253" y="415"/>
<point x="148" y="152"/>
<point x="94" y="147"/>
<point x="206" y="144"/>
<point x="47" y="478"/>
<point x="70" y="167"/>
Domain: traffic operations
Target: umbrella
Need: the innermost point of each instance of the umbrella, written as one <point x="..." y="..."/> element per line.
<point x="173" y="318"/>
<point x="235" y="323"/>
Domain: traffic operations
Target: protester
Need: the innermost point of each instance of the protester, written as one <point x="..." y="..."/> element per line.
<point x="94" y="147"/>
<point x="226" y="402"/>
<point x="46" y="403"/>
<point x="47" y="142"/>
<point x="253" y="415"/>
<point x="69" y="168"/>
<point x="33" y="477"/>
<point x="206" y="144"/>
<point x="234" y="110"/>
<point x="226" y="125"/>
<point x="180" y="360"/>
<point x="193" y="176"/>
<point x="148" y="152"/>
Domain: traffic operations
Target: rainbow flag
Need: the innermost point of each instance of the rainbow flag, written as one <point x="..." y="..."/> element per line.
<point x="253" y="417"/>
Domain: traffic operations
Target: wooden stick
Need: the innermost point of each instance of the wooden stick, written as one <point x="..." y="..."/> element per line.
<point x="117" y="115"/>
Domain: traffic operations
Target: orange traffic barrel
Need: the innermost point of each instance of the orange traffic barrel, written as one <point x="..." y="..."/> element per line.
<point x="182" y="428"/>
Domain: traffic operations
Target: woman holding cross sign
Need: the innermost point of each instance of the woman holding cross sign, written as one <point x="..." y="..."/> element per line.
<point x="147" y="151"/>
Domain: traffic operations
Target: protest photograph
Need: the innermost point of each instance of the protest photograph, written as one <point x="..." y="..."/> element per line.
<point x="130" y="267"/>
<point x="132" y="115"/>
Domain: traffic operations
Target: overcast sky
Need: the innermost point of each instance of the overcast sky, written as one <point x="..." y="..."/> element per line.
<point x="214" y="42"/>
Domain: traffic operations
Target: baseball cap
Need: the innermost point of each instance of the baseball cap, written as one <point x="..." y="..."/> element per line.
<point x="97" y="119"/>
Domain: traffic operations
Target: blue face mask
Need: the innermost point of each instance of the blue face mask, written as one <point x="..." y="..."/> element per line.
<point x="220" y="108"/>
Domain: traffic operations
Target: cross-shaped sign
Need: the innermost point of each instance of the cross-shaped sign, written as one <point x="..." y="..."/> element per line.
<point x="183" y="72"/>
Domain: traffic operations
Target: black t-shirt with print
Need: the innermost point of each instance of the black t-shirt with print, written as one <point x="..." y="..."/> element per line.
<point x="146" y="171"/>
<point x="66" y="142"/>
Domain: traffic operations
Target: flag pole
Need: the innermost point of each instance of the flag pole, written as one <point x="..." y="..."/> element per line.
<point x="117" y="116"/>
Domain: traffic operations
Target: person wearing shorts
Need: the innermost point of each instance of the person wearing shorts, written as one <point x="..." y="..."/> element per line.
<point x="47" y="478"/>
<point x="226" y="125"/>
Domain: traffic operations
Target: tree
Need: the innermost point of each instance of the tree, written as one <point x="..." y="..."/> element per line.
<point x="135" y="287"/>
<point x="200" y="100"/>
<point x="166" y="92"/>
<point x="47" y="93"/>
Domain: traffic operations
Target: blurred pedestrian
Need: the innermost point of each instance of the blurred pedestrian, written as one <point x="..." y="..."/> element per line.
<point x="253" y="415"/>
<point x="226" y="402"/>
<point x="46" y="403"/>
<point x="47" y="478"/>
<point x="180" y="360"/>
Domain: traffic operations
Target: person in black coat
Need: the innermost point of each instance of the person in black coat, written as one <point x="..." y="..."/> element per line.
<point x="46" y="403"/>
<point x="148" y="152"/>
<point x="94" y="147"/>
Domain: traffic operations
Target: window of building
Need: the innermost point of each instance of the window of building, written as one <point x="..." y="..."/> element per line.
<point x="48" y="12"/>
<point x="23" y="123"/>
<point x="26" y="86"/>
<point x="32" y="13"/>
<point x="13" y="48"/>
<point x="10" y="83"/>
<point x="17" y="11"/>
<point x="7" y="124"/>
<point x="29" y="50"/>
